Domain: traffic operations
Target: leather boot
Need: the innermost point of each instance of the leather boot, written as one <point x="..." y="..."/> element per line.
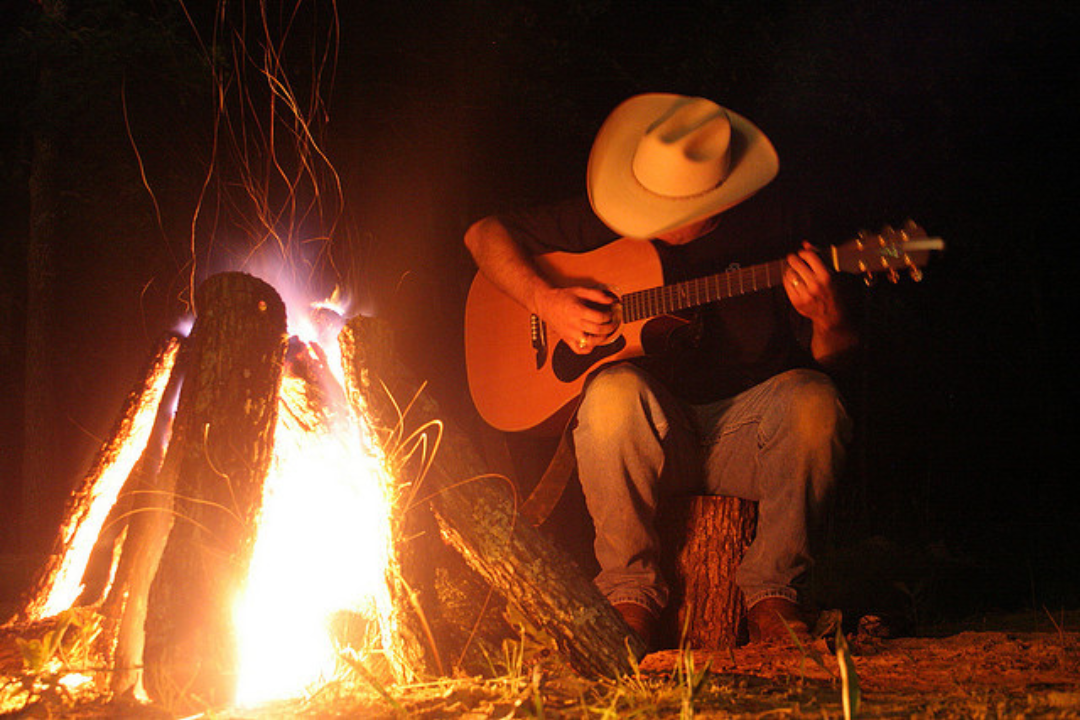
<point x="769" y="621"/>
<point x="640" y="620"/>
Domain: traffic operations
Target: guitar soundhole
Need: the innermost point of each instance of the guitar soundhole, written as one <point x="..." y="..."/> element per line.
<point x="568" y="366"/>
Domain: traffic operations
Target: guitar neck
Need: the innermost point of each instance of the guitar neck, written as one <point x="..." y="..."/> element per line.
<point x="667" y="299"/>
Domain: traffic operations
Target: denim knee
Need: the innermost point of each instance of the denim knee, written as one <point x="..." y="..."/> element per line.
<point x="813" y="409"/>
<point x="615" y="399"/>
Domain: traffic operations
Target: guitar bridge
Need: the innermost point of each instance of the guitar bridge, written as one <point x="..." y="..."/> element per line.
<point x="538" y="336"/>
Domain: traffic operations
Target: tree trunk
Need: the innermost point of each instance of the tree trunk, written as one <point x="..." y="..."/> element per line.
<point x="477" y="514"/>
<point x="704" y="539"/>
<point x="217" y="460"/>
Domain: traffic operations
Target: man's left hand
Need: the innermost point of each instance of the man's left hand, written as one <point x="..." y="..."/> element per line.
<point x="811" y="289"/>
<point x="812" y="292"/>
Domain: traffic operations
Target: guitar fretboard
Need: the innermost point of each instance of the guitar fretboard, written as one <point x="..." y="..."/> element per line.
<point x="672" y="298"/>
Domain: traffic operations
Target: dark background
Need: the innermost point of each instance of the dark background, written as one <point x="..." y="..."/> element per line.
<point x="958" y="114"/>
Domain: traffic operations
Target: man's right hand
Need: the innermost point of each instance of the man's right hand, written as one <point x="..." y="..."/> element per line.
<point x="584" y="317"/>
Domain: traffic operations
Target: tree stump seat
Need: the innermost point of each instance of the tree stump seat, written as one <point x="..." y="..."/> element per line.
<point x="704" y="539"/>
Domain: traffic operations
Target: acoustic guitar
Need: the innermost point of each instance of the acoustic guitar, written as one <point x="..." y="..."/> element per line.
<point x="522" y="376"/>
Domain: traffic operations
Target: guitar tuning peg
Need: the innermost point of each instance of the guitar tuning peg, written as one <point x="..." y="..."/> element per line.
<point x="894" y="277"/>
<point x="912" y="229"/>
<point x="913" y="270"/>
<point x="868" y="279"/>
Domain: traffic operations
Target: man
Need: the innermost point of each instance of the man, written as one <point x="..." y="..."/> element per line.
<point x="738" y="406"/>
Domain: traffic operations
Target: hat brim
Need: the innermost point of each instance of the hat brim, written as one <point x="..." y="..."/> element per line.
<point x="625" y="206"/>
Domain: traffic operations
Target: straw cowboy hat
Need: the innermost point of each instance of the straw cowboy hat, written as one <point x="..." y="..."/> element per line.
<point x="661" y="161"/>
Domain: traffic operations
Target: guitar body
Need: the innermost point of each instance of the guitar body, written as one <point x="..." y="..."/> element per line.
<point x="521" y="381"/>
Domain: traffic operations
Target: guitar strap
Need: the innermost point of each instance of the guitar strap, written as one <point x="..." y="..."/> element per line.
<point x="545" y="496"/>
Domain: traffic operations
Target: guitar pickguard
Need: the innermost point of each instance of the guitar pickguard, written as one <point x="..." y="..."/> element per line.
<point x="568" y="365"/>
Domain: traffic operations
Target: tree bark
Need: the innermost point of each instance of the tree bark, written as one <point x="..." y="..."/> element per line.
<point x="217" y="460"/>
<point x="704" y="538"/>
<point x="478" y="515"/>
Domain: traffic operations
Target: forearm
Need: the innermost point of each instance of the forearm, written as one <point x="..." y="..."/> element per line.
<point x="505" y="263"/>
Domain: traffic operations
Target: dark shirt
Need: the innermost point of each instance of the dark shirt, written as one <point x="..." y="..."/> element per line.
<point x="728" y="346"/>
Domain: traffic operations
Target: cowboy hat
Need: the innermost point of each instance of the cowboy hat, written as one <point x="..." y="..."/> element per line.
<point x="661" y="161"/>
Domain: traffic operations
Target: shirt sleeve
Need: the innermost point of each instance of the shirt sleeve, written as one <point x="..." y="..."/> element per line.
<point x="568" y="226"/>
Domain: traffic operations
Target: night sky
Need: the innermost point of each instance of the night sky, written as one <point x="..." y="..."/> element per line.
<point x="957" y="114"/>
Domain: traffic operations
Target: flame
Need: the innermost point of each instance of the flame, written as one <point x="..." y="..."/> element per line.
<point x="322" y="549"/>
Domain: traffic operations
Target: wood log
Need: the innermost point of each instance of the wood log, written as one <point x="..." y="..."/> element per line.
<point x="478" y="515"/>
<point x="61" y="579"/>
<point x="444" y="616"/>
<point x="150" y="500"/>
<point x="704" y="539"/>
<point x="101" y="573"/>
<point x="218" y="459"/>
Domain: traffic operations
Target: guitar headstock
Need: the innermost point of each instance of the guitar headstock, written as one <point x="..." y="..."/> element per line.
<point x="888" y="251"/>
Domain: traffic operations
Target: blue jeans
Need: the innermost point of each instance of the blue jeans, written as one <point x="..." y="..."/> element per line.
<point x="779" y="443"/>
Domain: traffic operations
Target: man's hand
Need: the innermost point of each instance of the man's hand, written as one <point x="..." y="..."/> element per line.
<point x="810" y="288"/>
<point x="812" y="292"/>
<point x="583" y="317"/>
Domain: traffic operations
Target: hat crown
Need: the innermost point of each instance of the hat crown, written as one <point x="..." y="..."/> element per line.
<point x="686" y="152"/>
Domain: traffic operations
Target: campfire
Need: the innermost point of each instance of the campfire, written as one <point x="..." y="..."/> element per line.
<point x="269" y="507"/>
<point x="239" y="462"/>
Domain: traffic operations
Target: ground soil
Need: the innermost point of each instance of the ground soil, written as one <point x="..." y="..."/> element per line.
<point x="972" y="673"/>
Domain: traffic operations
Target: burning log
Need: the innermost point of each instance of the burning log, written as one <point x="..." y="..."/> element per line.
<point x="217" y="462"/>
<point x="140" y="520"/>
<point x="441" y="611"/>
<point x="478" y="516"/>
<point x="706" y="538"/>
<point x="62" y="580"/>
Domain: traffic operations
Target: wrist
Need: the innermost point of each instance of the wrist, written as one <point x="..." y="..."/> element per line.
<point x="540" y="298"/>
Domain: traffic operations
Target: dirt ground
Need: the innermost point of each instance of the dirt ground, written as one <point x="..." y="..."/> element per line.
<point x="1025" y="665"/>
<point x="968" y="674"/>
<point x="971" y="674"/>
